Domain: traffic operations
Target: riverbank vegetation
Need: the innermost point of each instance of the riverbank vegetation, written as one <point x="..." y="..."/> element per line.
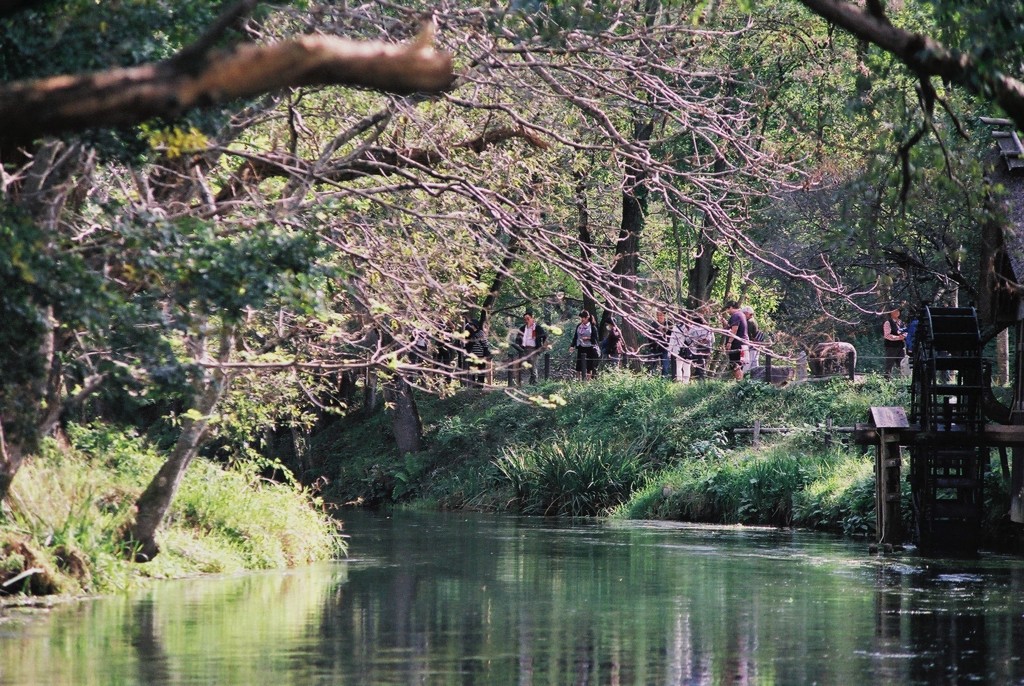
<point x="227" y="254"/>
<point x="634" y="446"/>
<point x="63" y="524"/>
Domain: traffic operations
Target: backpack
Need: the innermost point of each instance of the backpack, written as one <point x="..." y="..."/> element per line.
<point x="614" y="344"/>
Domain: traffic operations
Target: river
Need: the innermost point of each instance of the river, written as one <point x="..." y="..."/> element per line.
<point x="480" y="599"/>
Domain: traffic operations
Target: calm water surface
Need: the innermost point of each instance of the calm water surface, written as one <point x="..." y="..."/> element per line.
<point x="476" y="599"/>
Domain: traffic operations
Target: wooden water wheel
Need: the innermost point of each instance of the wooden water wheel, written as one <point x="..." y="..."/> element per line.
<point x="947" y="469"/>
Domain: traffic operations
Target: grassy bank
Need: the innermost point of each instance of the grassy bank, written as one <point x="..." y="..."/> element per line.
<point x="630" y="446"/>
<point x="69" y="506"/>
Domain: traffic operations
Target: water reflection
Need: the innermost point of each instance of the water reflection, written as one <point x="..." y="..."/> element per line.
<point x="951" y="625"/>
<point x="446" y="599"/>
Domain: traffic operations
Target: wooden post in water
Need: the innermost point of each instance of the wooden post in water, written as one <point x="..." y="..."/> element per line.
<point x="1017" y="417"/>
<point x="888" y="518"/>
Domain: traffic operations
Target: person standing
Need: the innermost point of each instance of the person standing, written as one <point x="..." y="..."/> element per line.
<point x="612" y="344"/>
<point x="695" y="341"/>
<point x="584" y="342"/>
<point x="894" y="339"/>
<point x="736" y="339"/>
<point x="754" y="337"/>
<point x="531" y="340"/>
<point x="661" y="332"/>
<point x="678" y="353"/>
<point x="700" y="341"/>
<point x="478" y="353"/>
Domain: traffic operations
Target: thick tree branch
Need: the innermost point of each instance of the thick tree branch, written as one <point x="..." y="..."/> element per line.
<point x="925" y="56"/>
<point x="120" y="97"/>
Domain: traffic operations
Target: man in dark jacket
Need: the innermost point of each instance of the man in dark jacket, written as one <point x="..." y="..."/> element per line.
<point x="530" y="341"/>
<point x="661" y="332"/>
<point x="478" y="353"/>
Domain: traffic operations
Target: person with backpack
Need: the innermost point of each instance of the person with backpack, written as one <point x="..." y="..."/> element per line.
<point x="894" y="340"/>
<point x="658" y="342"/>
<point x="700" y="341"/>
<point x="612" y="344"/>
<point x="695" y="341"/>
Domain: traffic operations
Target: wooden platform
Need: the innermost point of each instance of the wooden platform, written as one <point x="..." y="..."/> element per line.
<point x="991" y="435"/>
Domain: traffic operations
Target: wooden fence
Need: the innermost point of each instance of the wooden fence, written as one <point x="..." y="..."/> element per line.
<point x="827" y="430"/>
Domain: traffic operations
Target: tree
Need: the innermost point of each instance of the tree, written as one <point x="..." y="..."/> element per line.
<point x="928" y="58"/>
<point x="43" y="188"/>
<point x="303" y="236"/>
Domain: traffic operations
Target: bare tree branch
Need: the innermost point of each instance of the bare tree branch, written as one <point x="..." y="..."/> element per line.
<point x="374" y="161"/>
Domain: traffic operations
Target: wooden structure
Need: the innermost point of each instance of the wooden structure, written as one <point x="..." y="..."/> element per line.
<point x="1001" y="304"/>
<point x="1010" y="147"/>
<point x="955" y="419"/>
<point x="888" y="464"/>
<point x="947" y="477"/>
<point x="947" y="435"/>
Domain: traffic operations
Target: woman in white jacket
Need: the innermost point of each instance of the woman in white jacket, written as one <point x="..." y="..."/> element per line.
<point x="691" y="344"/>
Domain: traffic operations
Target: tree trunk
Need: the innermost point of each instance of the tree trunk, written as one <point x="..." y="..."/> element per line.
<point x="627" y="247"/>
<point x="993" y="230"/>
<point x="30" y="371"/>
<point x="405" y="420"/>
<point x="23" y="413"/>
<point x="370" y="392"/>
<point x="680" y="259"/>
<point x="370" y="375"/>
<point x="703" y="272"/>
<point x="585" y="237"/>
<point x="730" y="270"/>
<point x="155" y="501"/>
<point x="11" y="457"/>
<point x="512" y="250"/>
<point x="1017" y="417"/>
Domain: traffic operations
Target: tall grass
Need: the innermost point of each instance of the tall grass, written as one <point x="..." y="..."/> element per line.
<point x="568" y="476"/>
<point x="779" y="485"/>
<point x="69" y="507"/>
<point x="842" y="498"/>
